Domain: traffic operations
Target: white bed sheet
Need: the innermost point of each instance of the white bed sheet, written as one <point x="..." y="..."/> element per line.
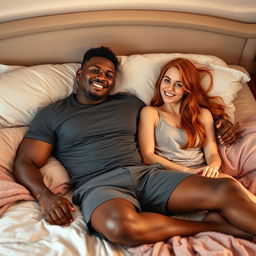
<point x="23" y="232"/>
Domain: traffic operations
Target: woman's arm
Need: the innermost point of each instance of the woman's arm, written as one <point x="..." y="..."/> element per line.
<point x="146" y="138"/>
<point x="210" y="147"/>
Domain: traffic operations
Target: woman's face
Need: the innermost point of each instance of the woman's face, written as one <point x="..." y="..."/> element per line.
<point x="171" y="87"/>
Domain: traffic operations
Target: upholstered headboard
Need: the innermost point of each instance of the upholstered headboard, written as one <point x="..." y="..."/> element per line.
<point x="63" y="38"/>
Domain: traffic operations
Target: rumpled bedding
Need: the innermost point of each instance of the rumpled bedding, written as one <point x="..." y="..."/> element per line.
<point x="23" y="232"/>
<point x="239" y="161"/>
<point x="203" y="244"/>
<point x="11" y="191"/>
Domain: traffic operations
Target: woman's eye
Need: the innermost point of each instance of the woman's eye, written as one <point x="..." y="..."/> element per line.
<point x="167" y="80"/>
<point x="178" y="84"/>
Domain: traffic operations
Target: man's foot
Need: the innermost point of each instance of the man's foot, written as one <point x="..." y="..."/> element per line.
<point x="215" y="217"/>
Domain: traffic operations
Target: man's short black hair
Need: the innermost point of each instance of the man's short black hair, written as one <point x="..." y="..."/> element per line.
<point x="101" y="51"/>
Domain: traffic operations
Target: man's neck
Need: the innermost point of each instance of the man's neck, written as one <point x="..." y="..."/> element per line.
<point x="85" y="99"/>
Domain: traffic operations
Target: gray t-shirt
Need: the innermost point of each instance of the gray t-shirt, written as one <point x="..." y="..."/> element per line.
<point x="90" y="139"/>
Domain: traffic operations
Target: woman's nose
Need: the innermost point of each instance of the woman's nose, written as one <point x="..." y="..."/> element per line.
<point x="170" y="86"/>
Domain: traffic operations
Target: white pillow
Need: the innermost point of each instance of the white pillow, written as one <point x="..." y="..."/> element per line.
<point x="24" y="90"/>
<point x="138" y="75"/>
<point x="8" y="68"/>
<point x="227" y="82"/>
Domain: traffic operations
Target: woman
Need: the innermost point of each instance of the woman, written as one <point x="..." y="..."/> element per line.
<point x="177" y="130"/>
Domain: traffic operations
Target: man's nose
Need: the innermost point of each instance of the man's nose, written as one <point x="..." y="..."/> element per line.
<point x="101" y="77"/>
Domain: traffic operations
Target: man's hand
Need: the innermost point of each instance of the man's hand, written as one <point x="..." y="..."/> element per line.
<point x="56" y="209"/>
<point x="226" y="132"/>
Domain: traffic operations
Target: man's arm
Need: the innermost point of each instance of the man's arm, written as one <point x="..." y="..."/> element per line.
<point x="226" y="132"/>
<point x="31" y="156"/>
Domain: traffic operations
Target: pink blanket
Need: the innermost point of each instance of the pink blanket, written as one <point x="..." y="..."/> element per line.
<point x="204" y="243"/>
<point x="11" y="192"/>
<point x="239" y="160"/>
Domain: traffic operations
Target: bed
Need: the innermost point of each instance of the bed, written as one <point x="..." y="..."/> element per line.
<point x="38" y="59"/>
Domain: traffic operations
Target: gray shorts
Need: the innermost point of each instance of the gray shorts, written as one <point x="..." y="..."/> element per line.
<point x="147" y="187"/>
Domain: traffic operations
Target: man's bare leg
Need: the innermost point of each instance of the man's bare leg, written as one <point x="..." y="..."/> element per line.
<point x="248" y="192"/>
<point x="120" y="223"/>
<point x="223" y="194"/>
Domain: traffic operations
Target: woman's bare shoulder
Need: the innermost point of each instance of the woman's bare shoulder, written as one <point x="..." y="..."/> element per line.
<point x="205" y="115"/>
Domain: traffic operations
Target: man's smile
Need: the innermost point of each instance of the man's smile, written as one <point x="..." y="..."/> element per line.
<point x="98" y="85"/>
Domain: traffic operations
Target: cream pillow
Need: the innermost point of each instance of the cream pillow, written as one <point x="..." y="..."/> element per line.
<point x="227" y="83"/>
<point x="53" y="172"/>
<point x="25" y="90"/>
<point x="138" y="75"/>
<point x="8" y="68"/>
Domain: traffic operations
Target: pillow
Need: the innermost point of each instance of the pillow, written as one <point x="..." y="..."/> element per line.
<point x="138" y="74"/>
<point x="8" y="68"/>
<point x="25" y="90"/>
<point x="10" y="139"/>
<point x="53" y="172"/>
<point x="227" y="83"/>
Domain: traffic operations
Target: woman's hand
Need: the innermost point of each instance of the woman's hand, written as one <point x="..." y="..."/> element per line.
<point x="194" y="171"/>
<point x="207" y="171"/>
<point x="210" y="171"/>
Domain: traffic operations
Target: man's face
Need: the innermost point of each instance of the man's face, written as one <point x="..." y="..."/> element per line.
<point x="95" y="79"/>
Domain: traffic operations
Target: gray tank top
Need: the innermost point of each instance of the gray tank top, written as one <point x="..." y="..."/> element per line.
<point x="168" y="143"/>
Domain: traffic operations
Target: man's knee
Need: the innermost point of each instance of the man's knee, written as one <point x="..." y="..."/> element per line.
<point x="227" y="188"/>
<point x="119" y="229"/>
<point x="117" y="220"/>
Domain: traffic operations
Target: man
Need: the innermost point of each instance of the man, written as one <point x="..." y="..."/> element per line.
<point x="93" y="134"/>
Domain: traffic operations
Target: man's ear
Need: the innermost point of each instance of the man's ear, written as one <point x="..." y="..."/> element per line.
<point x="78" y="73"/>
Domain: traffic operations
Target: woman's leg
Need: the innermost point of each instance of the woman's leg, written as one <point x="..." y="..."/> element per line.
<point x="249" y="193"/>
<point x="224" y="195"/>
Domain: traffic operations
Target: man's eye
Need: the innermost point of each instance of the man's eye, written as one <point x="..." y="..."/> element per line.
<point x="95" y="71"/>
<point x="110" y="76"/>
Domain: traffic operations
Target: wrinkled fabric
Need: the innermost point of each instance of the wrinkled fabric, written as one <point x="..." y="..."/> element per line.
<point x="239" y="159"/>
<point x="11" y="191"/>
<point x="203" y="244"/>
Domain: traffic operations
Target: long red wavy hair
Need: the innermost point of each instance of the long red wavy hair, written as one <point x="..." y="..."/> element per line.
<point x="196" y="97"/>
